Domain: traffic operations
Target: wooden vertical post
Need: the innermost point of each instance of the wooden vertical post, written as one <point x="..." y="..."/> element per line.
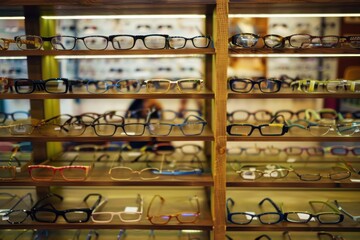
<point x="219" y="118"/>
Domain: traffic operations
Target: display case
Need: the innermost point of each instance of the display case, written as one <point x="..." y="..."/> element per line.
<point x="219" y="181"/>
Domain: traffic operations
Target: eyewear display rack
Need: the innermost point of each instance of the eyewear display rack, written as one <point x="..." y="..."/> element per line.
<point x="216" y="94"/>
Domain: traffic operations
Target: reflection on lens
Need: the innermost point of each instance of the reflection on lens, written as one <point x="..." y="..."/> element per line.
<point x="63" y="42"/>
<point x="187" y="217"/>
<point x="42" y="173"/>
<point x="74" y="173"/>
<point x="29" y="42"/>
<point x="158" y="85"/>
<point x="94" y="86"/>
<point x="273" y="41"/>
<point x="192" y="128"/>
<point x="298" y="40"/>
<point x="269" y="86"/>
<point x="96" y="42"/>
<point x="189" y="85"/>
<point x="177" y="42"/>
<point x="272" y="129"/>
<point x="298" y="217"/>
<point x="129" y="85"/>
<point x="269" y="218"/>
<point x="241" y="218"/>
<point x="241" y="85"/>
<point x="76" y="216"/>
<point x="201" y="42"/>
<point x="242" y="130"/>
<point x="24" y="85"/>
<point x="155" y="42"/>
<point x="123" y="42"/>
<point x="56" y="86"/>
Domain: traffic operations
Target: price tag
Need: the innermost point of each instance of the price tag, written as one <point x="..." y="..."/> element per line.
<point x="78" y="127"/>
<point x="57" y="128"/>
<point x="18" y="169"/>
<point x="131" y="209"/>
<point x="355" y="180"/>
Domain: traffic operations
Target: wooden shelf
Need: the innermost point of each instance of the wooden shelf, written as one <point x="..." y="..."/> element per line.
<point x="291" y="6"/>
<point x="290" y="94"/>
<point x="102" y="178"/>
<point x="203" y="224"/>
<point x="302" y="51"/>
<point x="207" y="135"/>
<point x="295" y="227"/>
<point x="235" y="181"/>
<point x="205" y="94"/>
<point x="135" y="52"/>
<point x="286" y="138"/>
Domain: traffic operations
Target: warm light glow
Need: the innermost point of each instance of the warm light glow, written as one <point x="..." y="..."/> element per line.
<point x="124" y="16"/>
<point x="128" y="56"/>
<point x="13" y="58"/>
<point x="291" y="55"/>
<point x="12" y="18"/>
<point x="294" y="15"/>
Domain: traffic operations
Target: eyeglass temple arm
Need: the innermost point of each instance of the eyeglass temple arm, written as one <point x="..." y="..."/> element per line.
<point x="324" y="203"/>
<point x="100" y="204"/>
<point x="22" y="199"/>
<point x="49" y="195"/>
<point x="272" y="203"/>
<point x="91" y="233"/>
<point x="286" y="233"/>
<point x="229" y="201"/>
<point x="342" y="210"/>
<point x="97" y="202"/>
<point x="151" y="203"/>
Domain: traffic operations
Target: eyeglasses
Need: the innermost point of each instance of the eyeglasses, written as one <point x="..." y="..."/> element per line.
<point x="191" y="126"/>
<point x="244" y="85"/>
<point x="49" y="214"/>
<point x="289" y="115"/>
<point x="352" y="41"/>
<point x="254" y="151"/>
<point x="338" y="173"/>
<point x="332" y="217"/>
<point x="31" y="42"/>
<point x="243" y="115"/>
<point x="328" y="236"/>
<point x="311" y="151"/>
<point x="151" y="41"/>
<point x="252" y="172"/>
<point x="17" y="216"/>
<point x="334" y="86"/>
<point x="181" y="217"/>
<point x="127" y="173"/>
<point x="9" y="172"/>
<point x="342" y="129"/>
<point x="186" y="85"/>
<point x="180" y="169"/>
<point x="110" y="128"/>
<point x="306" y="40"/>
<point x="343" y="150"/>
<point x="52" y="85"/>
<point x="5" y="43"/>
<point x="341" y="209"/>
<point x="178" y="42"/>
<point x="270" y="129"/>
<point x="15" y="116"/>
<point x="130" y="214"/>
<point x="28" y="42"/>
<point x="6" y="84"/>
<point x="68" y="173"/>
<point x="322" y="217"/>
<point x="242" y="218"/>
<point x="249" y="40"/>
<point x="124" y="85"/>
